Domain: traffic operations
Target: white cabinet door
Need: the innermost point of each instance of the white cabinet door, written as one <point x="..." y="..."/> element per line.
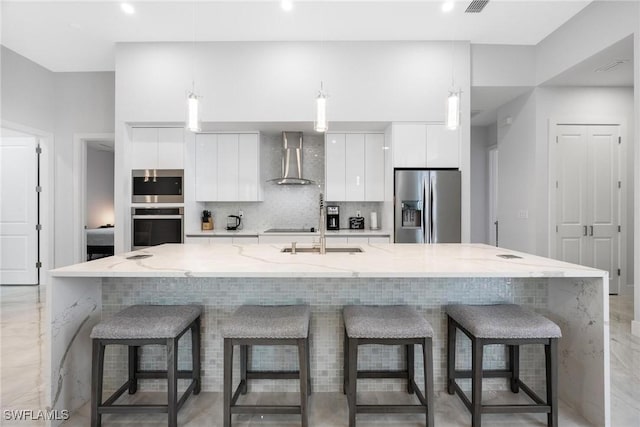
<point x="197" y="240"/>
<point x="337" y="240"/>
<point x="409" y="145"/>
<point x="221" y="240"/>
<point x="144" y="143"/>
<point x="443" y="148"/>
<point x="170" y="148"/>
<point x="374" y="167"/>
<point x="249" y="185"/>
<point x="374" y="240"/>
<point x="335" y="162"/>
<point x="228" y="167"/>
<point x="206" y="167"/>
<point x="358" y="240"/>
<point x="354" y="167"/>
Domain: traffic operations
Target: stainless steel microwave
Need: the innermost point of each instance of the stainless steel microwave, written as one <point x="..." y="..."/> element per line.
<point x="157" y="186"/>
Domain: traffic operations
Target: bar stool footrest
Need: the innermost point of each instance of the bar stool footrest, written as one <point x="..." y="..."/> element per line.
<point x="390" y="409"/>
<point x="266" y="409"/>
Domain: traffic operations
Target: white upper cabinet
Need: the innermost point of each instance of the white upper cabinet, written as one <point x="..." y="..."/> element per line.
<point x="443" y="147"/>
<point x="335" y="167"/>
<point x="354" y="167"/>
<point x="420" y="145"/>
<point x="157" y="148"/>
<point x="228" y="167"/>
<point x="409" y="145"/>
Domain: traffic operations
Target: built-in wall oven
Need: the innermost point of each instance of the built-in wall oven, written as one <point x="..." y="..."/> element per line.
<point x="155" y="226"/>
<point x="157" y="186"/>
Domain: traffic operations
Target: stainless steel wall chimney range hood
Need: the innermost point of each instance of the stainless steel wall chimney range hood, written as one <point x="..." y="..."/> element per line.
<point x="291" y="161"/>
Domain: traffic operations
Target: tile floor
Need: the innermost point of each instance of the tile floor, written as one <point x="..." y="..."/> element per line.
<point x="23" y="383"/>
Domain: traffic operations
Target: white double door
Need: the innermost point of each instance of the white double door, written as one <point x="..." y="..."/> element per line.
<point x="588" y="197"/>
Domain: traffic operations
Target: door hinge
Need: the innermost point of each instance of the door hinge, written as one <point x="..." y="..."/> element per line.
<point x="619" y="140"/>
<point x="38" y="264"/>
<point x="618" y="272"/>
<point x="38" y="189"/>
<point x="619" y="229"/>
<point x="38" y="149"/>
<point x="556" y="228"/>
<point x="39" y="227"/>
<point x="556" y="184"/>
<point x="619" y="184"/>
<point x="557" y="140"/>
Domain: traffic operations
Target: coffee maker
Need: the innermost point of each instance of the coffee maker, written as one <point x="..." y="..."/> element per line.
<point x="333" y="218"/>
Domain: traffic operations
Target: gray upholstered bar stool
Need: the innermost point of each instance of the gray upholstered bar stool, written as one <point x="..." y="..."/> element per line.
<point x="512" y="326"/>
<point x="387" y="325"/>
<point x="266" y="325"/>
<point x="140" y="325"/>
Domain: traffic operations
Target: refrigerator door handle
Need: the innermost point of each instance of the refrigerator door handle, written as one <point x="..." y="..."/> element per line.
<point x="423" y="212"/>
<point x="431" y="210"/>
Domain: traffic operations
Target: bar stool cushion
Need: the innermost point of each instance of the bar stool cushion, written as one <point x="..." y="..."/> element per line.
<point x="147" y="322"/>
<point x="391" y="321"/>
<point x="502" y="321"/>
<point x="262" y="321"/>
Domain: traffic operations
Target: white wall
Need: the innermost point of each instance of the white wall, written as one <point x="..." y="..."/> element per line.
<point x="99" y="187"/>
<point x="84" y="103"/>
<point x="516" y="176"/>
<point x="27" y="92"/>
<point x="503" y="65"/>
<point x="278" y="81"/>
<point x="595" y="28"/>
<point x="479" y="184"/>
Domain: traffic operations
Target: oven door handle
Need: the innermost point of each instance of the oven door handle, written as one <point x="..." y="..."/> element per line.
<point x="157" y="216"/>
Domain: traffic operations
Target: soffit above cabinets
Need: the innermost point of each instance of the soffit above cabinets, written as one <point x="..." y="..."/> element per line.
<point x="81" y="36"/>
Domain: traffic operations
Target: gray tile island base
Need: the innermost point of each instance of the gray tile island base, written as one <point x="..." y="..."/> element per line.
<point x="572" y="296"/>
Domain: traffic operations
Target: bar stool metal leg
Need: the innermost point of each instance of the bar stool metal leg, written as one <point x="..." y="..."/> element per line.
<point x="352" y="381"/>
<point x="244" y="361"/>
<point x="451" y="355"/>
<point x="514" y="367"/>
<point x="410" y="367"/>
<point x="477" y="348"/>
<point x="427" y="356"/>
<point x="228" y="379"/>
<point x="133" y="369"/>
<point x="172" y="382"/>
<point x="195" y="355"/>
<point x="304" y="377"/>
<point x="551" y="356"/>
<point x="308" y="345"/>
<point x="345" y="370"/>
<point x="97" y="367"/>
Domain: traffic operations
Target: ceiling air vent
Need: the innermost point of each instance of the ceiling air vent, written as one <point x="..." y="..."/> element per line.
<point x="476" y="6"/>
<point x="610" y="66"/>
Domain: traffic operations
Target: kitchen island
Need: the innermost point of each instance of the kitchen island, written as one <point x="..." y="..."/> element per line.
<point x="427" y="277"/>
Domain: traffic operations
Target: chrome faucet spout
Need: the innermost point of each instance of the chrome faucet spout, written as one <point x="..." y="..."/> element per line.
<point x="322" y="227"/>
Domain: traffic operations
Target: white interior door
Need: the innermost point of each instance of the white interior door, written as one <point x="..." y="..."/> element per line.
<point x="18" y="211"/>
<point x="588" y="198"/>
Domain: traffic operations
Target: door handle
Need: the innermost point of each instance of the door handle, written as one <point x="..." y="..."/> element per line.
<point x="591" y="230"/>
<point x="584" y="232"/>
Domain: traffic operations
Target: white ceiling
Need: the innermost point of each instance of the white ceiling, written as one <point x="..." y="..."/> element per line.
<point x="81" y="35"/>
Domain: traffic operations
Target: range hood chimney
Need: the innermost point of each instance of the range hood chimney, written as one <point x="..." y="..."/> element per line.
<point x="291" y="161"/>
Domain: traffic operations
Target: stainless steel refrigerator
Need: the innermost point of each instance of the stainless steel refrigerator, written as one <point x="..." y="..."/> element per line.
<point x="427" y="206"/>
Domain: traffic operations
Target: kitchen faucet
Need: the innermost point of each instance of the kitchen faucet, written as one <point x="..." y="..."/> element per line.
<point x="322" y="227"/>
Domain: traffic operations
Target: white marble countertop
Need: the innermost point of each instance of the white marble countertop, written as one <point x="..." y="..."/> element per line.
<point x="378" y="260"/>
<point x="223" y="233"/>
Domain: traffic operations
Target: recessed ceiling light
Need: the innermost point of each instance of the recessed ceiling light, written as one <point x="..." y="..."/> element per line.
<point x="286" y="5"/>
<point x="447" y="6"/>
<point x="127" y="8"/>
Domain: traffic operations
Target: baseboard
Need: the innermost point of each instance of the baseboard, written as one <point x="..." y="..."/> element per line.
<point x="635" y="328"/>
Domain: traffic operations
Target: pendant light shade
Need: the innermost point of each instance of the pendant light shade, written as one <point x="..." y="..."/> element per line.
<point x="453" y="111"/>
<point x="320" y="124"/>
<point x="193" y="113"/>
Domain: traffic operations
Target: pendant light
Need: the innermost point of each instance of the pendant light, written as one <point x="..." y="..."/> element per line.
<point x="193" y="100"/>
<point x="320" y="123"/>
<point x="453" y="110"/>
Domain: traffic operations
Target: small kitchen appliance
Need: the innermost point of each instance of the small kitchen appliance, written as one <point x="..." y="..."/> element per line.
<point x="233" y="222"/>
<point x="356" y="223"/>
<point x="333" y="218"/>
<point x="157" y="185"/>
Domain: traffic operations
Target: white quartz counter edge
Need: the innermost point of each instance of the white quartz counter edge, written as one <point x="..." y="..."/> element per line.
<point x="378" y="260"/>
<point x="248" y="233"/>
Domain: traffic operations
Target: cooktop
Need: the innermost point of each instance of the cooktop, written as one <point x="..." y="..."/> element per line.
<point x="291" y="230"/>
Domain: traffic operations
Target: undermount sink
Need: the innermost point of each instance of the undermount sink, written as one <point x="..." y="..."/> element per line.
<point x="317" y="250"/>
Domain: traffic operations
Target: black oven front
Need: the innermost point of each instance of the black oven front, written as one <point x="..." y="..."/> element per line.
<point x="155" y="226"/>
<point x="157" y="185"/>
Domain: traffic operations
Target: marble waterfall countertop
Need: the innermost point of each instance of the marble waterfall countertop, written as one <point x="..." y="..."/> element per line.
<point x="377" y="260"/>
